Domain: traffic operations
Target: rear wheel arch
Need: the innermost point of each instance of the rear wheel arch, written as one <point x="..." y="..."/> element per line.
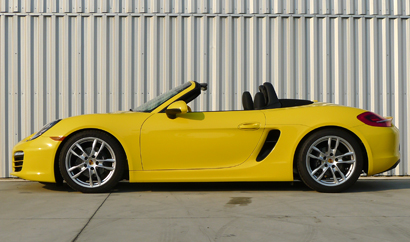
<point x="362" y="147"/>
<point x="57" y="175"/>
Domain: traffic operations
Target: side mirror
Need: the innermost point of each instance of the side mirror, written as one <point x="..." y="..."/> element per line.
<point x="178" y="107"/>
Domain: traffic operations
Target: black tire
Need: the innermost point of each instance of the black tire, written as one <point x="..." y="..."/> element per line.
<point x="331" y="168"/>
<point x="94" y="154"/>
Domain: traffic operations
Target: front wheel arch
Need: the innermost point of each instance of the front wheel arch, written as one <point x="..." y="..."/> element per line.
<point x="57" y="175"/>
<point x="298" y="148"/>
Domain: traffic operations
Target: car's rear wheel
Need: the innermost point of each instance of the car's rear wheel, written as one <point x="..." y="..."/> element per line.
<point x="92" y="161"/>
<point x="330" y="160"/>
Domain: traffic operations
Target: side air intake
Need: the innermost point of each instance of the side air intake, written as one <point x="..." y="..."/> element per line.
<point x="270" y="142"/>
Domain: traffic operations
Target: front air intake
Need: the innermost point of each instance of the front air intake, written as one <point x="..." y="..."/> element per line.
<point x="18" y="161"/>
<point x="270" y="142"/>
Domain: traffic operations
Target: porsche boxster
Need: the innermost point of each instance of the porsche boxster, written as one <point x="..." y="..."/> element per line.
<point x="327" y="146"/>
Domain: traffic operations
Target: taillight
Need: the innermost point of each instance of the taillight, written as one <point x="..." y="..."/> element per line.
<point x="373" y="119"/>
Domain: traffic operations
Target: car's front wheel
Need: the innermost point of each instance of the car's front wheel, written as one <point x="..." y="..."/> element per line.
<point x="92" y="161"/>
<point x="330" y="160"/>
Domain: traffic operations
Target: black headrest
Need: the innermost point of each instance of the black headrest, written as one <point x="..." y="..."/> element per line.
<point x="259" y="101"/>
<point x="273" y="101"/>
<point x="247" y="101"/>
<point x="262" y="89"/>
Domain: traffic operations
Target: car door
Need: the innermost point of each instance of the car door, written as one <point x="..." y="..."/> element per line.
<point x="200" y="140"/>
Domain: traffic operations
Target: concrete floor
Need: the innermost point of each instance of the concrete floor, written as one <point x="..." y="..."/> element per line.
<point x="373" y="210"/>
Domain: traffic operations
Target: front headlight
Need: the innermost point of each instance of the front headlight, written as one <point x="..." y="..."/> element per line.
<point x="44" y="129"/>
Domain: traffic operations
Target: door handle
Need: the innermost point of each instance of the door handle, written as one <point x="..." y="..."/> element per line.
<point x="249" y="126"/>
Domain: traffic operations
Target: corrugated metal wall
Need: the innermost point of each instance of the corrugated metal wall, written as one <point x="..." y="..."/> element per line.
<point x="65" y="58"/>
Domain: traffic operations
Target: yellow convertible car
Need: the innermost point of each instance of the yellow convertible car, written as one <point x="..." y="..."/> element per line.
<point x="325" y="145"/>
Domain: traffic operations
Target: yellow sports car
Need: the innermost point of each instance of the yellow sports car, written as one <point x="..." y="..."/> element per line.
<point x="326" y="145"/>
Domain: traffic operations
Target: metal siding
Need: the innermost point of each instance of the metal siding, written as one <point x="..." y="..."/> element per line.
<point x="71" y="57"/>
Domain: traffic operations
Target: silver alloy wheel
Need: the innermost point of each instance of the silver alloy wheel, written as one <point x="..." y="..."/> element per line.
<point x="331" y="161"/>
<point x="90" y="162"/>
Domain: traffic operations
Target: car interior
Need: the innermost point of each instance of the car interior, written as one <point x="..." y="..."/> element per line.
<point x="266" y="98"/>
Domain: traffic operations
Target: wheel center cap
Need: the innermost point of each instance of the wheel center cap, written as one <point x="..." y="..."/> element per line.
<point x="91" y="162"/>
<point x="330" y="160"/>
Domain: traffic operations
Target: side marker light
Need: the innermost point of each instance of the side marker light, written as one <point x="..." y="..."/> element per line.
<point x="58" y="138"/>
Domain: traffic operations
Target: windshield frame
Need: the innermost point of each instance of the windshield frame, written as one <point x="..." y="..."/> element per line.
<point x="165" y="99"/>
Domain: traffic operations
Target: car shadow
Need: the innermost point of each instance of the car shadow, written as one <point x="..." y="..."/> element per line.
<point x="211" y="186"/>
<point x="379" y="184"/>
<point x="362" y="185"/>
<point x="126" y="187"/>
<point x="63" y="187"/>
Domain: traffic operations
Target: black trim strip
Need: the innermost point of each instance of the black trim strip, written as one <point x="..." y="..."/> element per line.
<point x="394" y="166"/>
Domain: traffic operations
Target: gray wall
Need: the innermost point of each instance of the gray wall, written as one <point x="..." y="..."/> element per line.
<point x="65" y="58"/>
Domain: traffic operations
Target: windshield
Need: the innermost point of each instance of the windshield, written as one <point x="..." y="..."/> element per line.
<point x="156" y="102"/>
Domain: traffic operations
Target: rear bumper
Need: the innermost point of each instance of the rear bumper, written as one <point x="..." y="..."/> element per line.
<point x="394" y="166"/>
<point x="382" y="147"/>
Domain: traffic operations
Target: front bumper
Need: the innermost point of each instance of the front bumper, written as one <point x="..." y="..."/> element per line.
<point x="37" y="163"/>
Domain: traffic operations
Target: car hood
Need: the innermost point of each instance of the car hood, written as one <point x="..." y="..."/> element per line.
<point x="118" y="122"/>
